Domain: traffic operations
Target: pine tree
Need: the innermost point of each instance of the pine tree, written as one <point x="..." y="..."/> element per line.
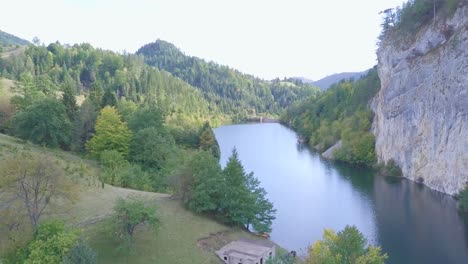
<point x="245" y="202"/>
<point x="208" y="141"/>
<point x="236" y="199"/>
<point x="69" y="100"/>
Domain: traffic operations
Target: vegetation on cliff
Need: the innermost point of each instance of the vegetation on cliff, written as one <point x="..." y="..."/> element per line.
<point x="414" y="14"/>
<point x="340" y="113"/>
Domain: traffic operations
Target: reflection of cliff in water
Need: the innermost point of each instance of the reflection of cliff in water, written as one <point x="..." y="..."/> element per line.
<point x="410" y="217"/>
<point x="360" y="177"/>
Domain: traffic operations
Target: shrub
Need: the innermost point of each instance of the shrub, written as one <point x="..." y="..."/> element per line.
<point x="390" y="169"/>
<point x="463" y="202"/>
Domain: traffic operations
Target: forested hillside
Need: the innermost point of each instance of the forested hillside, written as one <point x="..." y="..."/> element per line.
<point x="340" y="113"/>
<point x="106" y="78"/>
<point x="7" y="39"/>
<point x="235" y="93"/>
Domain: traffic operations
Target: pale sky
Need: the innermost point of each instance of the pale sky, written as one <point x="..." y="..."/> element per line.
<point x="266" y="38"/>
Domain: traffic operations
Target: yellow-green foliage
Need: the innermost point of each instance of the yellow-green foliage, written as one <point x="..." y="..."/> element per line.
<point x="111" y="134"/>
<point x="52" y="243"/>
<point x="346" y="247"/>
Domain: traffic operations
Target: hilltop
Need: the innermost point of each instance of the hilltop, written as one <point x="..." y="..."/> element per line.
<point x="7" y="39"/>
<point x="234" y="92"/>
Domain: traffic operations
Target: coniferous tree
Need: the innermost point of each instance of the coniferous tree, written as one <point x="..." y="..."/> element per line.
<point x="244" y="200"/>
<point x="109" y="98"/>
<point x="68" y="99"/>
<point x="208" y="141"/>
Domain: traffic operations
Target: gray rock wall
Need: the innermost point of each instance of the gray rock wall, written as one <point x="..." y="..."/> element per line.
<point x="421" y="111"/>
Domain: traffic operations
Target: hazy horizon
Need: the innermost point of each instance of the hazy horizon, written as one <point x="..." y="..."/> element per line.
<point x="268" y="39"/>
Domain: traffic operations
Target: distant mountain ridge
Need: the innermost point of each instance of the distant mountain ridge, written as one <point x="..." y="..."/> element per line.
<point x="7" y="39"/>
<point x="329" y="80"/>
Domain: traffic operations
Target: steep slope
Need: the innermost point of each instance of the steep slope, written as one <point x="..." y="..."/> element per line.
<point x="7" y="39"/>
<point x="233" y="92"/>
<point x="421" y="111"/>
<point x="178" y="240"/>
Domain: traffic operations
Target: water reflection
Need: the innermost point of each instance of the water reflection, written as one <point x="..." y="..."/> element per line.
<point x="412" y="223"/>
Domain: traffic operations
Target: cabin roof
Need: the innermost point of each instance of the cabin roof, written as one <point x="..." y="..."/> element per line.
<point x="245" y="249"/>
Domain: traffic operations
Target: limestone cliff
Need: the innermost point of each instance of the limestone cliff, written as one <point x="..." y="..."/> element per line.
<point x="421" y="110"/>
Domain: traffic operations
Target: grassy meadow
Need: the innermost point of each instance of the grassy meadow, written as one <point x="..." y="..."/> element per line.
<point x="183" y="237"/>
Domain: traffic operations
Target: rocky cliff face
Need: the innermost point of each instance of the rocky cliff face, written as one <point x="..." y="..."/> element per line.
<point x="421" y="111"/>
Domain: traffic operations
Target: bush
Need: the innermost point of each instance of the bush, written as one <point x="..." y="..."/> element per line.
<point x="358" y="148"/>
<point x="44" y="122"/>
<point x="463" y="200"/>
<point x="80" y="253"/>
<point x="390" y="169"/>
<point x="348" y="246"/>
<point x="52" y="244"/>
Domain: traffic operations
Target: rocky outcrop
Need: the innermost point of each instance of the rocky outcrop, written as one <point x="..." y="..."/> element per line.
<point x="421" y="111"/>
<point x="329" y="153"/>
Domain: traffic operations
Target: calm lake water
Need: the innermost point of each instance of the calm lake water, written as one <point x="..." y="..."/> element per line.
<point x="412" y="223"/>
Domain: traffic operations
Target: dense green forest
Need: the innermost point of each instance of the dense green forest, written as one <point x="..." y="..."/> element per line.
<point x="106" y="78"/>
<point x="146" y="129"/>
<point x="237" y="94"/>
<point x="340" y="113"/>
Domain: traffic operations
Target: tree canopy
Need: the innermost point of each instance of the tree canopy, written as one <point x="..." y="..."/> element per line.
<point x="348" y="246"/>
<point x="340" y="113"/>
<point x="111" y="134"/>
<point x="44" y="122"/>
<point x="236" y="94"/>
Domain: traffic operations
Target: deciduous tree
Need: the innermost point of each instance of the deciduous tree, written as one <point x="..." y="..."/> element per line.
<point x="130" y="214"/>
<point x="153" y="147"/>
<point x="111" y="134"/>
<point x="36" y="182"/>
<point x="346" y="247"/>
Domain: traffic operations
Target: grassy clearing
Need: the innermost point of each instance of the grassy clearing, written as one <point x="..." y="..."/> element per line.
<point x="5" y="88"/>
<point x="183" y="237"/>
<point x="11" y="51"/>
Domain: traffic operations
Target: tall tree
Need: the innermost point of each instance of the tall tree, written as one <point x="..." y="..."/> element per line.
<point x="236" y="199"/>
<point x="208" y="141"/>
<point x="109" y="98"/>
<point x="244" y="201"/>
<point x="261" y="213"/>
<point x="111" y="134"/>
<point x="200" y="184"/>
<point x="153" y="147"/>
<point x="83" y="125"/>
<point x="68" y="98"/>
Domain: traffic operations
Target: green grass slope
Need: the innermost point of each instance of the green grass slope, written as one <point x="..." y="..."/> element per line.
<point x="184" y="237"/>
